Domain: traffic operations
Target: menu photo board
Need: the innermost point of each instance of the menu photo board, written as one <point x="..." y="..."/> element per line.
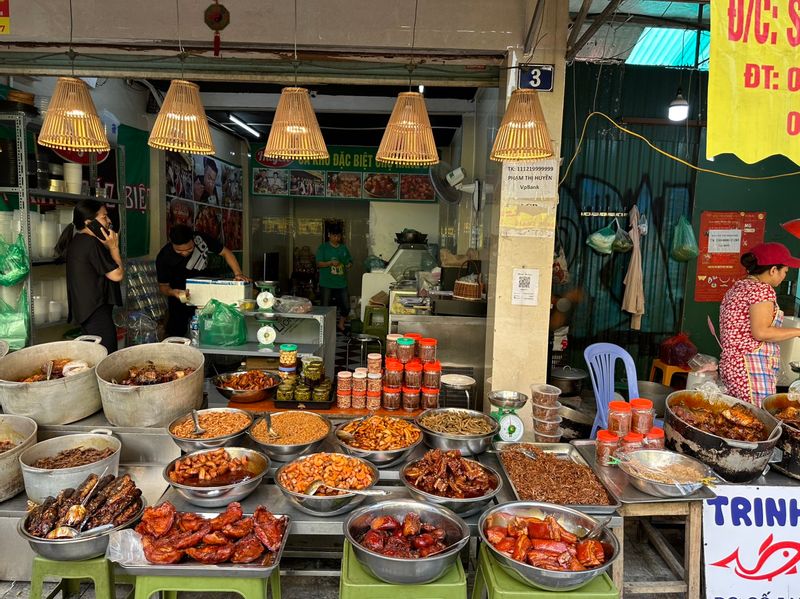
<point x="351" y="172"/>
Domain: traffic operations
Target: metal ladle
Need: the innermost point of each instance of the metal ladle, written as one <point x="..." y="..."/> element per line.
<point x="198" y="430"/>
<point x="314" y="487"/>
<point x="270" y="431"/>
<point x="596" y="529"/>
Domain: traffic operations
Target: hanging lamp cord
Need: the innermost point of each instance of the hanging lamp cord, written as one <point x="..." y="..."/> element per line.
<point x="181" y="51"/>
<point x="411" y="65"/>
<point x="296" y="63"/>
<point x="71" y="53"/>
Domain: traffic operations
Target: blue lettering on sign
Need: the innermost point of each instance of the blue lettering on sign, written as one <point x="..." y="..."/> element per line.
<point x="757" y="512"/>
<point x="776" y="512"/>
<point x="740" y="508"/>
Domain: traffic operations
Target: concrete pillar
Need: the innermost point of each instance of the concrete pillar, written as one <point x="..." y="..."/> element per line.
<point x="517" y="336"/>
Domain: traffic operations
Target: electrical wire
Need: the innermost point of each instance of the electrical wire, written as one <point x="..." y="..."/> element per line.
<point x="652" y="146"/>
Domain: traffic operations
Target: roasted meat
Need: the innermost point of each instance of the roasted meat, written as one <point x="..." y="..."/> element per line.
<point x="447" y="474"/>
<point x="211" y="554"/>
<point x="410" y="540"/>
<point x="163" y="554"/>
<point x="240" y="528"/>
<point x="232" y="514"/>
<point x="731" y="422"/>
<point x="157" y="521"/>
<point x="150" y="374"/>
<point x="247" y="550"/>
<point x="268" y="528"/>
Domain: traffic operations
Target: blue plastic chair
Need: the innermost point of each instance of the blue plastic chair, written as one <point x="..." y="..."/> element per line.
<point x="601" y="359"/>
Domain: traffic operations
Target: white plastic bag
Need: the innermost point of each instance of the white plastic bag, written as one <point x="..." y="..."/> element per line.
<point x="125" y="548"/>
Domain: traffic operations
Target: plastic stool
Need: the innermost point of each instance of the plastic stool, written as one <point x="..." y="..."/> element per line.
<point x="499" y="585"/>
<point x="667" y="372"/>
<point x="357" y="583"/>
<point x="249" y="588"/>
<point x="98" y="569"/>
<point x="376" y="321"/>
<point x="363" y="342"/>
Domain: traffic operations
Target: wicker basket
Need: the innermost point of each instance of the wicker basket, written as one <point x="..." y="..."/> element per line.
<point x="468" y="290"/>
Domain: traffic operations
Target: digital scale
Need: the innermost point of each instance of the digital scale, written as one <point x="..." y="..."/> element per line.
<point x="507" y="404"/>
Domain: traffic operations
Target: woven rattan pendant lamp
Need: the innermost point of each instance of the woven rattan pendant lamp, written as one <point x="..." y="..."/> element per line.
<point x="71" y="121"/>
<point x="523" y="134"/>
<point x="295" y="132"/>
<point x="181" y="124"/>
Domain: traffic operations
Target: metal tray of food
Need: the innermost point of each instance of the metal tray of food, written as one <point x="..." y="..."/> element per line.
<point x="563" y="451"/>
<point x="616" y="481"/>
<point x="193" y="568"/>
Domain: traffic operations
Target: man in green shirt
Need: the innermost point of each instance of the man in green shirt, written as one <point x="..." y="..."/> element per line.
<point x="333" y="260"/>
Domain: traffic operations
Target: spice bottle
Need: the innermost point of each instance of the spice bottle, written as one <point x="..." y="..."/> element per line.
<point x="427" y="350"/>
<point x="432" y="375"/>
<point x="642" y="415"/>
<point x="606" y="447"/>
<point x="392" y="398"/>
<point x="619" y="418"/>
<point x="654" y="439"/>
<point x="410" y="399"/>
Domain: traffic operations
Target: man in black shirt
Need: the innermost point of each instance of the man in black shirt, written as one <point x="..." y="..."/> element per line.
<point x="186" y="256"/>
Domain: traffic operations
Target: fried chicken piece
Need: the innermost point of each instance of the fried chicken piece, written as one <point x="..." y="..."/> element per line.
<point x="189" y="522"/>
<point x="211" y="554"/>
<point x="247" y="550"/>
<point x="229" y="516"/>
<point x="160" y="555"/>
<point x="184" y="540"/>
<point x="268" y="528"/>
<point x="239" y="529"/>
<point x="157" y="521"/>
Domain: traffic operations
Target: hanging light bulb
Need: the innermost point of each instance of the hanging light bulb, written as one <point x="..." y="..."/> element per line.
<point x="71" y="121"/>
<point x="295" y="132"/>
<point x="678" y="108"/>
<point x="523" y="133"/>
<point x="408" y="139"/>
<point x="181" y="124"/>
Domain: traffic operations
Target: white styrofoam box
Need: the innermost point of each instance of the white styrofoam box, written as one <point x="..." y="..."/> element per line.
<point x="790" y="352"/>
<point x="202" y="290"/>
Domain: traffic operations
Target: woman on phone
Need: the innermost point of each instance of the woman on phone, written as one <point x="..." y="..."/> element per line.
<point x="90" y="248"/>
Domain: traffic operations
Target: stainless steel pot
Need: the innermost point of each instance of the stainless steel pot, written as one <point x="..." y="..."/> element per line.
<point x="151" y="405"/>
<point x="41" y="483"/>
<point x="467" y="444"/>
<point x="789" y="442"/>
<point x="568" y="379"/>
<point x="734" y="461"/>
<point x="59" y="401"/>
<point x="22" y="431"/>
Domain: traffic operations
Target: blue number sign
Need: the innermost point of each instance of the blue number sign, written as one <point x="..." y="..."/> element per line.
<point x="536" y="76"/>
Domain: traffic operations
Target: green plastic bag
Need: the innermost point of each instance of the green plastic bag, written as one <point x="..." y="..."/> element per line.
<point x="602" y="240"/>
<point x="14" y="322"/>
<point x="14" y="265"/>
<point x="684" y="244"/>
<point x="221" y="324"/>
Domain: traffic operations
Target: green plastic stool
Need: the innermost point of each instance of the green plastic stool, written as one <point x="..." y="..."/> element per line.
<point x="98" y="569"/>
<point x="499" y="585"/>
<point x="357" y="583"/>
<point x="249" y="588"/>
<point x="376" y="321"/>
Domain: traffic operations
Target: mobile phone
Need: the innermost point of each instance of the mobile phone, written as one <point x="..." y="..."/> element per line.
<point x="99" y="230"/>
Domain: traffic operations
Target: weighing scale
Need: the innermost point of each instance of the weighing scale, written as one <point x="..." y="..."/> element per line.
<point x="507" y="404"/>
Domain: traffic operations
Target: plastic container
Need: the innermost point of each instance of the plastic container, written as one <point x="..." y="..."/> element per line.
<point x="405" y="349"/>
<point x="374" y="363"/>
<point x="427" y="349"/>
<point x="287" y="372"/>
<point x="394" y="374"/>
<point x="359" y="382"/>
<point x="288" y="355"/>
<point x="410" y="399"/>
<point x="543" y="438"/>
<point x="429" y="398"/>
<point x="547" y="427"/>
<point x="374" y="382"/>
<point x="654" y="439"/>
<point x="391" y="345"/>
<point x="642" y="415"/>
<point x="361" y="370"/>
<point x="374" y="400"/>
<point x="631" y="442"/>
<point x="416" y="337"/>
<point x="546" y="412"/>
<point x="545" y="395"/>
<point x="359" y="400"/>
<point x="344" y="381"/>
<point x="606" y="446"/>
<point x="432" y="375"/>
<point x="343" y="400"/>
<point x="413" y="375"/>
<point x="619" y="418"/>
<point x="392" y="398"/>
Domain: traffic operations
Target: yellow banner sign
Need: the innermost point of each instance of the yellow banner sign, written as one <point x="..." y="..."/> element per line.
<point x="754" y="79"/>
<point x="5" y="17"/>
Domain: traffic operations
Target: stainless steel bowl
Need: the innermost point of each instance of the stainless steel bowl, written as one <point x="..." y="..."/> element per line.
<point x="288" y="453"/>
<point x="320" y="505"/>
<point x="382" y="459"/>
<point x="71" y="550"/>
<point x="573" y="521"/>
<point x="507" y="399"/>
<point x="462" y="507"/>
<point x="191" y="445"/>
<point x="466" y="444"/>
<point x="396" y="570"/>
<point x="657" y="458"/>
<point x="257" y="464"/>
<point x="245" y="395"/>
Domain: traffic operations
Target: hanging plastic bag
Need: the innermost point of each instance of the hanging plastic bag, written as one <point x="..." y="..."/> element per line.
<point x="642" y="224"/>
<point x="677" y="350"/>
<point x="602" y="240"/>
<point x="560" y="267"/>
<point x="622" y="241"/>
<point x="221" y="324"/>
<point x="14" y="322"/>
<point x="684" y="244"/>
<point x="14" y="265"/>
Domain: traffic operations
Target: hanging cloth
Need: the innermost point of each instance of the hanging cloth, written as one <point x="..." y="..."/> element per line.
<point x="633" y="300"/>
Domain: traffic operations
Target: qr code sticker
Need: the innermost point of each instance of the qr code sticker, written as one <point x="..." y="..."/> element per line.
<point x="525" y="282"/>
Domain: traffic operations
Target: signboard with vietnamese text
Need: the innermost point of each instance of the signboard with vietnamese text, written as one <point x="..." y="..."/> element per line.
<point x="5" y="17"/>
<point x="751" y="544"/>
<point x="754" y="79"/>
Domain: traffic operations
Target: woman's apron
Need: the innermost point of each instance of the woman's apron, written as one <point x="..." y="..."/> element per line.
<point x="762" y="366"/>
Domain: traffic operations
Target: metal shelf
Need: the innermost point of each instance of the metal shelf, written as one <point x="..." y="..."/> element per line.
<point x="58" y="195"/>
<point x="255" y="349"/>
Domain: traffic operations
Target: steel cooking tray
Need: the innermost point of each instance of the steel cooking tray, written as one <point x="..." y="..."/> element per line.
<point x="616" y="481"/>
<point x="563" y="451"/>
<point x="192" y="568"/>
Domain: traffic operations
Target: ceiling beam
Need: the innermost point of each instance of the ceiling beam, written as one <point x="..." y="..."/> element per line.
<point x="604" y="16"/>
<point x="533" y="28"/>
<point x="650" y="21"/>
<point x="577" y="23"/>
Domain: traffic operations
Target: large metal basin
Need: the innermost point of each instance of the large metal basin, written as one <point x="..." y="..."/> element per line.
<point x="734" y="461"/>
<point x="22" y="431"/>
<point x="789" y="443"/>
<point x="60" y="401"/>
<point x="151" y="405"/>
<point x="467" y="444"/>
<point x="41" y="483"/>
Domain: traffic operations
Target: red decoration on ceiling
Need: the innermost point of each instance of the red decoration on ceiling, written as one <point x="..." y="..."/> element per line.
<point x="217" y="18"/>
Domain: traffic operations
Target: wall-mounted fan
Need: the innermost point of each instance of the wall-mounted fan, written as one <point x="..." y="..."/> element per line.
<point x="449" y="185"/>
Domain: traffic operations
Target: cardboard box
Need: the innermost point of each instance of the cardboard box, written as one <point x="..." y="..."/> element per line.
<point x="202" y="290"/>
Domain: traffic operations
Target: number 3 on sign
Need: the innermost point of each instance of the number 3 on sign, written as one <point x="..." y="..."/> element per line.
<point x="536" y="76"/>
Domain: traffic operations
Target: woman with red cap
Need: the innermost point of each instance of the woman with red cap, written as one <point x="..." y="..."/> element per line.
<point x="750" y="324"/>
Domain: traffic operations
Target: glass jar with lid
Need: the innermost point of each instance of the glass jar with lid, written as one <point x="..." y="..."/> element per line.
<point x="429" y="398"/>
<point x="344" y="380"/>
<point x="410" y="399"/>
<point x="619" y="418"/>
<point x="374" y="363"/>
<point x="320" y="394"/>
<point x="394" y="373"/>
<point x="642" y="415"/>
<point x="654" y="439"/>
<point x="631" y="442"/>
<point x="413" y="377"/>
<point x="374" y="382"/>
<point x="416" y="337"/>
<point x="427" y="349"/>
<point x="391" y="345"/>
<point x="287" y="356"/>
<point x="359" y="400"/>
<point x="605" y="447"/>
<point x="359" y="382"/>
<point x="302" y="393"/>
<point x="392" y="398"/>
<point x="285" y="392"/>
<point x="343" y="400"/>
<point x="313" y="370"/>
<point x="405" y="349"/>
<point x="432" y="375"/>
<point x="374" y="400"/>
